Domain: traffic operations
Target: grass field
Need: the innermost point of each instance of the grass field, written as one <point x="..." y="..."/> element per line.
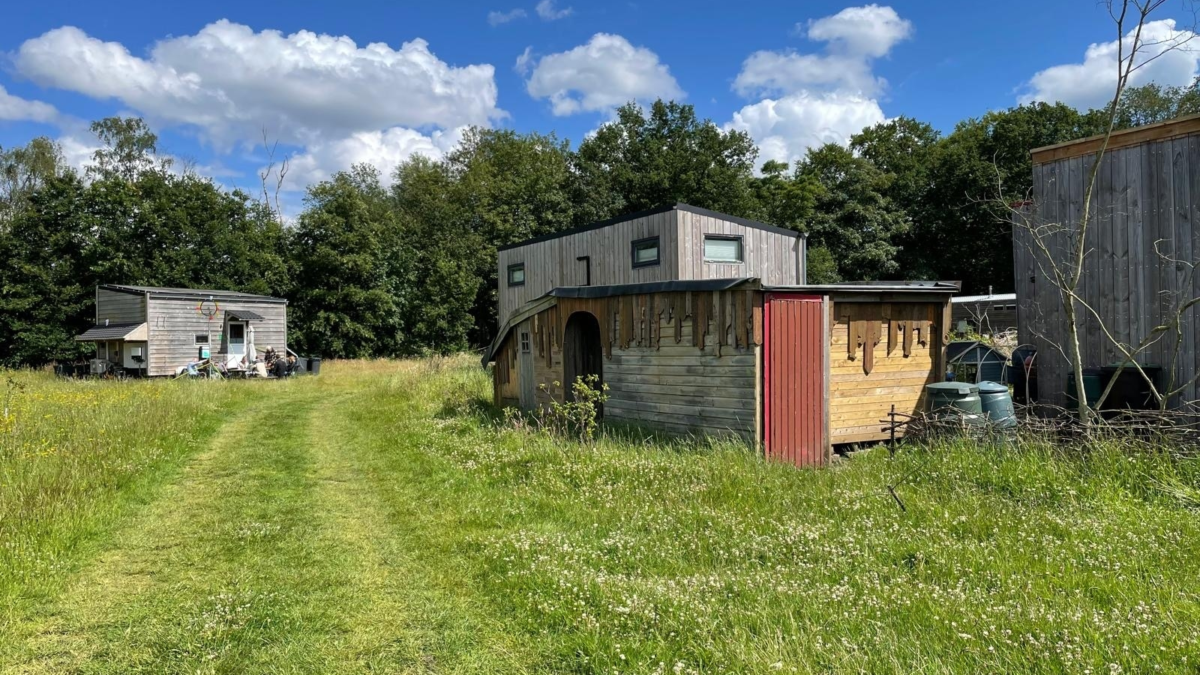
<point x="381" y="519"/>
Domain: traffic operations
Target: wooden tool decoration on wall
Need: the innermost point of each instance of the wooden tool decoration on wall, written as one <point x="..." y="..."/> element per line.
<point x="907" y="323"/>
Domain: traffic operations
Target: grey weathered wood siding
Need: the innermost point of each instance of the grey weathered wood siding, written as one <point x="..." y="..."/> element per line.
<point x="679" y="388"/>
<point x="987" y="317"/>
<point x="174" y="324"/>
<point x="553" y="263"/>
<point x="776" y="258"/>
<point x="117" y="307"/>
<point x="1147" y="196"/>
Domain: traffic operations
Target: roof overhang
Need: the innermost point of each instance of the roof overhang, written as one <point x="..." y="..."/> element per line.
<point x="243" y="315"/>
<point x="129" y="332"/>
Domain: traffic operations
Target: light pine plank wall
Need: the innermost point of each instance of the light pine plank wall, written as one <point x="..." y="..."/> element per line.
<point x="1147" y="196"/>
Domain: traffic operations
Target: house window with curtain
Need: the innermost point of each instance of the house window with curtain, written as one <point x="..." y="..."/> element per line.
<point x="720" y="248"/>
<point x="645" y="252"/>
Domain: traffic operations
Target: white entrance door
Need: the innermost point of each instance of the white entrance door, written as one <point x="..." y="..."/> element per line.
<point x="237" y="338"/>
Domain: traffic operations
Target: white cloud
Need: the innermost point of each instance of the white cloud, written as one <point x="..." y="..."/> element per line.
<point x="16" y="109"/>
<point x="498" y="18"/>
<point x="809" y="99"/>
<point x="786" y="128"/>
<point x="76" y="152"/>
<point x="385" y="150"/>
<point x="600" y="75"/>
<point x="549" y="12"/>
<point x="854" y="38"/>
<point x="869" y="31"/>
<point x="231" y="82"/>
<point x="524" y="62"/>
<point x="1175" y="54"/>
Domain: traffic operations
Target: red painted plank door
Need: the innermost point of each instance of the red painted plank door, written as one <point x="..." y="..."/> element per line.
<point x="793" y="390"/>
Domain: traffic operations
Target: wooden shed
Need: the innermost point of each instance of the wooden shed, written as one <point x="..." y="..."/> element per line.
<point x="154" y="331"/>
<point x="1142" y="243"/>
<point x="795" y="369"/>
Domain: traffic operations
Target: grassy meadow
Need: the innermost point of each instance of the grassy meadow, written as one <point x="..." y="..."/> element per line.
<point x="384" y="518"/>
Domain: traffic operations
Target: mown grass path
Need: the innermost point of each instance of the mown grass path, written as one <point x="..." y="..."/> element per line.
<point x="272" y="552"/>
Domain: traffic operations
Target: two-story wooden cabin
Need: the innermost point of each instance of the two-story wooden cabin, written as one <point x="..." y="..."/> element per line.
<point x="701" y="323"/>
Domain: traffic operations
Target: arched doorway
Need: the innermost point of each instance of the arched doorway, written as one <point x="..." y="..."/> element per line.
<point x="583" y="353"/>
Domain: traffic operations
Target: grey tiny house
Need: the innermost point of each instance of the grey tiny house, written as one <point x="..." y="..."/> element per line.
<point x="154" y="331"/>
<point x="672" y="243"/>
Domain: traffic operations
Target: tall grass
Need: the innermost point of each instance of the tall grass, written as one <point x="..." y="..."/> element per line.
<point x="75" y="454"/>
<point x="640" y="554"/>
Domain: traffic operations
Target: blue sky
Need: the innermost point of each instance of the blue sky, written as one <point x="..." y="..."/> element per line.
<point x="792" y="74"/>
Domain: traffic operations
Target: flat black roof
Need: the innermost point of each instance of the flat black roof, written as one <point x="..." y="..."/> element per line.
<point x="678" y="206"/>
<point x="189" y="293"/>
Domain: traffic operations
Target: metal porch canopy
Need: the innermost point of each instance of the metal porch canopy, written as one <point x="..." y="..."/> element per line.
<point x="134" y="332"/>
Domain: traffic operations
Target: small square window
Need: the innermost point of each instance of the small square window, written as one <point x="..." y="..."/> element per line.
<point x="524" y="343"/>
<point x="645" y="252"/>
<point x="201" y="338"/>
<point x="516" y="274"/>
<point x="722" y="248"/>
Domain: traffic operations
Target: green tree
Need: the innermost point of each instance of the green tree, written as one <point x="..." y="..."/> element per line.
<point x="437" y="224"/>
<point x="348" y="269"/>
<point x="23" y="170"/>
<point x="1151" y="103"/>
<point x="650" y="158"/>
<point x="46" y="284"/>
<point x="130" y="148"/>
<point x="854" y="219"/>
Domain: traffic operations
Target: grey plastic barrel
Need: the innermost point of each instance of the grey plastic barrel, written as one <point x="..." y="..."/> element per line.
<point x="955" y="401"/>
<point x="997" y="404"/>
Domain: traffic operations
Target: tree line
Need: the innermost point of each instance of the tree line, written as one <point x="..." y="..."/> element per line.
<point x="406" y="264"/>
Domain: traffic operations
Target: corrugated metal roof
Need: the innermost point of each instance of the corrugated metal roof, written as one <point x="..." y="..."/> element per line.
<point x="873" y="287"/>
<point x="998" y="297"/>
<point x="190" y="293"/>
<point x="113" y="331"/>
<point x="243" y="315"/>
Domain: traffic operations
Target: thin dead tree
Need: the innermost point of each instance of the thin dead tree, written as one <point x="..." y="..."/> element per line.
<point x="1134" y="52"/>
<point x="273" y="176"/>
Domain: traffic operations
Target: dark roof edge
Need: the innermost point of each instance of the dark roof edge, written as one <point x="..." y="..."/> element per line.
<point x="653" y="212"/>
<point x="175" y="295"/>
<point x="947" y="287"/>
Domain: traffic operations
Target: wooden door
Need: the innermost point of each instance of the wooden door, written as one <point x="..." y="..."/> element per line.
<point x="583" y="353"/>
<point x="794" y="357"/>
<point x="525" y="374"/>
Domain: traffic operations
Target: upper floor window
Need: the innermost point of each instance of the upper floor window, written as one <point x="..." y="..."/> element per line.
<point x="645" y="252"/>
<point x="516" y="274"/>
<point x="722" y="248"/>
<point x="524" y="343"/>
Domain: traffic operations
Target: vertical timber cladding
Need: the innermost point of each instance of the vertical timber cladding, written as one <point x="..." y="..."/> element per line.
<point x="794" y="378"/>
<point x="1143" y="217"/>
<point x="678" y="361"/>
<point x="881" y="354"/>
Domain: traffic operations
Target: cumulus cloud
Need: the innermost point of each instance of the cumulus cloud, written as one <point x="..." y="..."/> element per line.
<point x="498" y="18"/>
<point x="785" y="128"/>
<point x="231" y="82"/>
<point x="16" y="109"/>
<point x="548" y="12"/>
<point x="385" y="150"/>
<point x="1168" y="56"/>
<point x="600" y="75"/>
<point x="809" y="99"/>
<point x="854" y="38"/>
<point x="869" y="31"/>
